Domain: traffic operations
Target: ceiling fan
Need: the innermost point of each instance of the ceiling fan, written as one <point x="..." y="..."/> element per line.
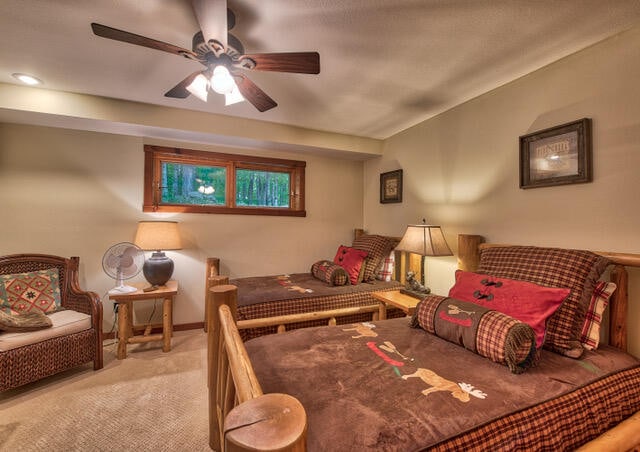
<point x="223" y="57"/>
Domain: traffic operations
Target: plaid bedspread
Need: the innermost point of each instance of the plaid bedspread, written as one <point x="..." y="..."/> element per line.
<point x="282" y="301"/>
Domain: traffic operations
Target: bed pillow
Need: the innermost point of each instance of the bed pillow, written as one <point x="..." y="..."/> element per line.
<point x="489" y="333"/>
<point x="377" y="248"/>
<point x="575" y="270"/>
<point x="352" y="261"/>
<point x="25" y="292"/>
<point x="332" y="274"/>
<point x="28" y="321"/>
<point x="387" y="267"/>
<point x="590" y="336"/>
<point x="525" y="301"/>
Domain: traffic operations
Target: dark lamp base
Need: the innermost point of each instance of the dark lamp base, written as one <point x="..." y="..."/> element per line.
<point x="158" y="269"/>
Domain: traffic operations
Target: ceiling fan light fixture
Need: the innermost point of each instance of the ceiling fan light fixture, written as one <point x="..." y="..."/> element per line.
<point x="199" y="87"/>
<point x="221" y="81"/>
<point x="234" y="96"/>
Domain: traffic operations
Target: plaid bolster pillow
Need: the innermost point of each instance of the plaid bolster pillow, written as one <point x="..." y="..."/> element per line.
<point x="332" y="274"/>
<point x="491" y="334"/>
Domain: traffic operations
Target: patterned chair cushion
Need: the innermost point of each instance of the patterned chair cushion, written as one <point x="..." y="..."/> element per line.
<point x="378" y="248"/>
<point x="576" y="270"/>
<point x="25" y="292"/>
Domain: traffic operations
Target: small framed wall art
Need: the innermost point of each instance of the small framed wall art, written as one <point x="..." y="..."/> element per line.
<point x="556" y="156"/>
<point x="391" y="187"/>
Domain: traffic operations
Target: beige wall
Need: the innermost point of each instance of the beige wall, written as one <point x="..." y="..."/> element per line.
<point x="461" y="168"/>
<point x="70" y="193"/>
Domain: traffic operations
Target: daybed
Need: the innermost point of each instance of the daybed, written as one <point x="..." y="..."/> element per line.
<point x="386" y="386"/>
<point x="266" y="303"/>
<point x="75" y="337"/>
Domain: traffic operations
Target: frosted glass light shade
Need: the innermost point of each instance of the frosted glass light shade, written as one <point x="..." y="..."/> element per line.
<point x="199" y="87"/>
<point x="426" y="240"/>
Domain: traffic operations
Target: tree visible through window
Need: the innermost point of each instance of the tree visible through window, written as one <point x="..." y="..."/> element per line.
<point x="182" y="180"/>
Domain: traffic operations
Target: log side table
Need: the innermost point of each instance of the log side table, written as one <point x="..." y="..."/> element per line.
<point x="126" y="328"/>
<point x="397" y="299"/>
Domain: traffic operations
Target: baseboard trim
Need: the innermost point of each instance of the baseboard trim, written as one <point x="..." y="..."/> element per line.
<point x="179" y="327"/>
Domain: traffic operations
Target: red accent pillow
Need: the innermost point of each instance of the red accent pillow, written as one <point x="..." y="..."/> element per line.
<point x="525" y="301"/>
<point x="351" y="260"/>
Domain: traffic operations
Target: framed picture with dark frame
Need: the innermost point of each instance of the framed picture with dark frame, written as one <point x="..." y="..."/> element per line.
<point x="557" y="156"/>
<point x="391" y="187"/>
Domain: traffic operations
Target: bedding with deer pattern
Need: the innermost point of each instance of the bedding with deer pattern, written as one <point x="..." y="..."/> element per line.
<point x="387" y="386"/>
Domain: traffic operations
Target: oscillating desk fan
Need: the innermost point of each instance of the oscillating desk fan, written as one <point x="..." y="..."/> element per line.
<point x="122" y="261"/>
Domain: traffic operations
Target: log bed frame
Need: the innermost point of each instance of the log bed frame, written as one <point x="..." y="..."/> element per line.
<point x="242" y="418"/>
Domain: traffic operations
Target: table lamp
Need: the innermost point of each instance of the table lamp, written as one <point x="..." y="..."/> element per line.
<point x="425" y="240"/>
<point x="158" y="236"/>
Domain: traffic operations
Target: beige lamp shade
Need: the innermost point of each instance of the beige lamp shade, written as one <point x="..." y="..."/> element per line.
<point x="158" y="235"/>
<point x="424" y="239"/>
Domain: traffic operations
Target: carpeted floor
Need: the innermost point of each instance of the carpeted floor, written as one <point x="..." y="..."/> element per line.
<point x="151" y="401"/>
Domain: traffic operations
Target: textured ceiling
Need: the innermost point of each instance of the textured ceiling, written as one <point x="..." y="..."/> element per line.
<point x="385" y="65"/>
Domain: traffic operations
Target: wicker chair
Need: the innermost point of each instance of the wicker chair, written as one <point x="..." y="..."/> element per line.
<point x="29" y="363"/>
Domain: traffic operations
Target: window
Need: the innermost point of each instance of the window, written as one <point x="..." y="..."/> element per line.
<point x="182" y="180"/>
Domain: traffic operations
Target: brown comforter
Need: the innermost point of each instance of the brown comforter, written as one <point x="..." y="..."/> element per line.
<point x="391" y="387"/>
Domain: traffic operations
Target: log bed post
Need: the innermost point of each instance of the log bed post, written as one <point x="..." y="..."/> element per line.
<point x="213" y="278"/>
<point x="241" y="417"/>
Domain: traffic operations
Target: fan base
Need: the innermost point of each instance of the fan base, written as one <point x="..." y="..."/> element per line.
<point x="122" y="289"/>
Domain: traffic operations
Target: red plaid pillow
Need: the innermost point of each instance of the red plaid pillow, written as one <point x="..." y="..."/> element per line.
<point x="377" y="248"/>
<point x="387" y="268"/>
<point x="491" y="334"/>
<point x="590" y="336"/>
<point x="576" y="270"/>
<point x="329" y="272"/>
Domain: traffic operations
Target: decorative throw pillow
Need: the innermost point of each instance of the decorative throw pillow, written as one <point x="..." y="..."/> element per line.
<point x="387" y="267"/>
<point x="491" y="334"/>
<point x="332" y="274"/>
<point x="351" y="260"/>
<point x="28" y="321"/>
<point x="377" y="248"/>
<point x="525" y="301"/>
<point x="25" y="292"/>
<point x="575" y="270"/>
<point x="590" y="336"/>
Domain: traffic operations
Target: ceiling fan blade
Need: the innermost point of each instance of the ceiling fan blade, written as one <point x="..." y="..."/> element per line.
<point x="124" y="36"/>
<point x="212" y="17"/>
<point x="298" y="62"/>
<point x="253" y="94"/>
<point x="180" y="90"/>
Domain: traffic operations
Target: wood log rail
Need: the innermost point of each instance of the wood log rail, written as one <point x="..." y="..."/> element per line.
<point x="331" y="315"/>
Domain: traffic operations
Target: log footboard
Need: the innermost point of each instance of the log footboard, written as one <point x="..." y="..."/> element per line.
<point x="241" y="417"/>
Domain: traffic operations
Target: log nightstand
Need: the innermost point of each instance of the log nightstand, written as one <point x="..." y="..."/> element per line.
<point x="394" y="298"/>
<point x="126" y="328"/>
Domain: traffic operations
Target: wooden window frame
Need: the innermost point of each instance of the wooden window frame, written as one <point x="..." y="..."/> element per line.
<point x="155" y="155"/>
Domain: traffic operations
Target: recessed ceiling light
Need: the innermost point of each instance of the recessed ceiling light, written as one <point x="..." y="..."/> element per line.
<point x="27" y="79"/>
